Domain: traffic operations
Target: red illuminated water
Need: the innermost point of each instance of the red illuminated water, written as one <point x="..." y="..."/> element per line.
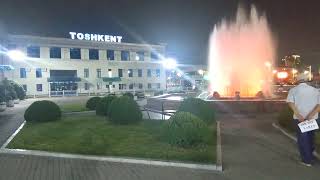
<point x="240" y="55"/>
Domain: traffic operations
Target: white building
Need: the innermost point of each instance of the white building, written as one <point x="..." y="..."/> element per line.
<point x="57" y="66"/>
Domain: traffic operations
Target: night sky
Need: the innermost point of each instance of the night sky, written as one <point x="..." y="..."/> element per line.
<point x="184" y="25"/>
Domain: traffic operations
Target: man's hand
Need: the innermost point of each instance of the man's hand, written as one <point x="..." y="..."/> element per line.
<point x="300" y="117"/>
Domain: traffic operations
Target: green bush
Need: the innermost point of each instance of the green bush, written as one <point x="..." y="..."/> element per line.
<point x="129" y="94"/>
<point x="185" y="130"/>
<point x="19" y="90"/>
<point x="92" y="103"/>
<point x="198" y="107"/>
<point x="41" y="111"/>
<point x="285" y="119"/>
<point x="124" y="110"/>
<point x="104" y="104"/>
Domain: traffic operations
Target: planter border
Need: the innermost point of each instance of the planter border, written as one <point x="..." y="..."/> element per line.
<point x="211" y="167"/>
<point x="292" y="137"/>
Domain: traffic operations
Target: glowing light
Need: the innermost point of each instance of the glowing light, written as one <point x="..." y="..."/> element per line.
<point x="16" y="55"/>
<point x="201" y="72"/>
<point x="169" y="63"/>
<point x="274" y="71"/>
<point x="179" y="74"/>
<point x="294" y="71"/>
<point x="306" y="72"/>
<point x="238" y="51"/>
<point x="268" y="64"/>
<point x="282" y="75"/>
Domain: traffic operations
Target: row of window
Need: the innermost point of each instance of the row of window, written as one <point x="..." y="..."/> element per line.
<point x="124" y="86"/>
<point x="120" y="73"/>
<point x="75" y="53"/>
<point x="99" y="86"/>
<point x="23" y="73"/>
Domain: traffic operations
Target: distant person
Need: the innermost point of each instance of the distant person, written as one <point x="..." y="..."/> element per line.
<point x="304" y="100"/>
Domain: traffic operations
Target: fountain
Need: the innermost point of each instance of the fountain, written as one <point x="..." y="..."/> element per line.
<point x="241" y="53"/>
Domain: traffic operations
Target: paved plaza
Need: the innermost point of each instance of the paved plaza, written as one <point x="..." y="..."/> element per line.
<point x="252" y="149"/>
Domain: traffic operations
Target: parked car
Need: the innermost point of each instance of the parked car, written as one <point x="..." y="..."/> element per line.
<point x="140" y="94"/>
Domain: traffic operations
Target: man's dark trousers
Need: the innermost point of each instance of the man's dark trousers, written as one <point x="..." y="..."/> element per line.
<point x="305" y="144"/>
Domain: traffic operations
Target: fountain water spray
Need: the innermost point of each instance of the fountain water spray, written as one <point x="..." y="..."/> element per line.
<point x="241" y="54"/>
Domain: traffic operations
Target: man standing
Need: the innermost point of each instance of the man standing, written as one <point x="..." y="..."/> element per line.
<point x="304" y="100"/>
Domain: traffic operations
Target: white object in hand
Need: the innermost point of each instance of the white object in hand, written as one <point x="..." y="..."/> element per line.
<point x="308" y="125"/>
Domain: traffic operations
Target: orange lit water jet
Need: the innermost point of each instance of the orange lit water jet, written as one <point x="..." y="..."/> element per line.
<point x="241" y="54"/>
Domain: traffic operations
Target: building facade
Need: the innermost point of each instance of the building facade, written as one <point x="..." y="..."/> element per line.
<point x="61" y="66"/>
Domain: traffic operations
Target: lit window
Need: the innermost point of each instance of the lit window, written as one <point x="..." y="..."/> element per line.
<point x="140" y="56"/>
<point x="130" y="73"/>
<point x="93" y="54"/>
<point x="33" y="51"/>
<point x="55" y="52"/>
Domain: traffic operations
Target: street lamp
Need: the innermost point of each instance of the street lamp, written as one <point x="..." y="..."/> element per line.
<point x="169" y="63"/>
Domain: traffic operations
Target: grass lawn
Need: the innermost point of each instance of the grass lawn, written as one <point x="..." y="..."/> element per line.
<point x="94" y="135"/>
<point x="70" y="107"/>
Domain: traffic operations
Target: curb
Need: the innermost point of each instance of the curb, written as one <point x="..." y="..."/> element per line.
<point x="212" y="167"/>
<point x="80" y="112"/>
<point x="276" y="126"/>
<point x="219" y="148"/>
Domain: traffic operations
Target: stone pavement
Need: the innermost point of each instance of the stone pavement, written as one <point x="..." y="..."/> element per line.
<point x="252" y="149"/>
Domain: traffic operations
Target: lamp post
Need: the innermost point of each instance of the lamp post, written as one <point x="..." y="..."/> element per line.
<point x="168" y="64"/>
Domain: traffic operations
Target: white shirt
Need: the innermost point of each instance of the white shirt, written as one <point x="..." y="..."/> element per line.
<point x="305" y="98"/>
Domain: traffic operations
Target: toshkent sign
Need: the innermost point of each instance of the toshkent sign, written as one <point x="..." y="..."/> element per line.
<point x="95" y="37"/>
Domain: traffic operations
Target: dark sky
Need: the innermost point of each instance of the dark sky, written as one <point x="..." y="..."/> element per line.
<point x="184" y="25"/>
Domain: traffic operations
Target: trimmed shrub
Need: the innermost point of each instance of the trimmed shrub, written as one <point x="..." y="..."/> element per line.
<point x="20" y="91"/>
<point x="185" y="129"/>
<point x="198" y="107"/>
<point x="104" y="104"/>
<point x="92" y="103"/>
<point x="124" y="110"/>
<point x="285" y="119"/>
<point x="129" y="94"/>
<point x="42" y="111"/>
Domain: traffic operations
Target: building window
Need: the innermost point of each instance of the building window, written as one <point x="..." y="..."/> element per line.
<point x="110" y="55"/>
<point x="125" y="56"/>
<point x="149" y="73"/>
<point x="139" y="72"/>
<point x="98" y="73"/>
<point x="86" y="86"/>
<point x="24" y="86"/>
<point x="120" y="72"/>
<point x="93" y="54"/>
<point x="122" y="86"/>
<point x="39" y="87"/>
<point x="99" y="85"/>
<point x="140" y="85"/>
<point x="110" y="72"/>
<point x="86" y="73"/>
<point x="33" y="51"/>
<point x="149" y="86"/>
<point x="154" y="56"/>
<point x="157" y="72"/>
<point x="38" y="73"/>
<point x="158" y="85"/>
<point x="140" y="56"/>
<point x="130" y="73"/>
<point x="23" y="73"/>
<point x="75" y="53"/>
<point x="130" y="86"/>
<point x="55" y="52"/>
